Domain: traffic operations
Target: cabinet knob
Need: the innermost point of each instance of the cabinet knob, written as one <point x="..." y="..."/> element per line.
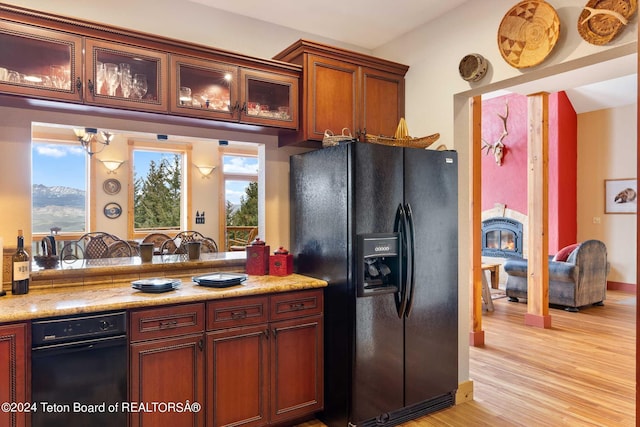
<point x="90" y="87"/>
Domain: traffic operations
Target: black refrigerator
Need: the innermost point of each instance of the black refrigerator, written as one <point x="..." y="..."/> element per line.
<point x="380" y="224"/>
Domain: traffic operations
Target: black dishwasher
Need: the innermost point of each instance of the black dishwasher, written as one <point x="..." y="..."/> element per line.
<point x="79" y="370"/>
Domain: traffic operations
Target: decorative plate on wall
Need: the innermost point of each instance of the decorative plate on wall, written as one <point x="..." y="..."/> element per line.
<point x="528" y="33"/>
<point x="111" y="186"/>
<point x="112" y="210"/>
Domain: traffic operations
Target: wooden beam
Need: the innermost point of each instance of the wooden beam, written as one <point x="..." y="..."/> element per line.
<point x="538" y="196"/>
<point x="476" y="338"/>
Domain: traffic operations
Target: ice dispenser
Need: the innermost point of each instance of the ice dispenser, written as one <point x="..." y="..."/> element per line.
<point x="378" y="264"/>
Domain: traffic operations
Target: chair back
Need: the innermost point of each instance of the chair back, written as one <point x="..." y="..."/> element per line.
<point x="178" y="245"/>
<point x="96" y="245"/>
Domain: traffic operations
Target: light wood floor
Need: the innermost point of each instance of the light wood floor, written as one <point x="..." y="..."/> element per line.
<point x="581" y="372"/>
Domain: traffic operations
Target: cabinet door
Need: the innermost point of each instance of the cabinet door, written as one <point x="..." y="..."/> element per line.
<point x="125" y="77"/>
<point x="204" y="88"/>
<point x="13" y="372"/>
<point x="269" y="99"/>
<point x="331" y="97"/>
<point x="167" y="371"/>
<point x="382" y="102"/>
<point x="40" y="63"/>
<point x="238" y="376"/>
<point x="296" y="368"/>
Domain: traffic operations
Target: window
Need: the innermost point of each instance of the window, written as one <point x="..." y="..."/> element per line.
<point x="159" y="196"/>
<point x="59" y="188"/>
<point x="241" y="199"/>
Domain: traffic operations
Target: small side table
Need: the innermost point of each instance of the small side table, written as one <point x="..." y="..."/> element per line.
<point x="495" y="273"/>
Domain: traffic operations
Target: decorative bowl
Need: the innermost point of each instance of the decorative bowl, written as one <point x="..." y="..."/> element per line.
<point x="46" y="261"/>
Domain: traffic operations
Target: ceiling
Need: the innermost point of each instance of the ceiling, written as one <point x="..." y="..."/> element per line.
<point x="334" y="19"/>
<point x="357" y="22"/>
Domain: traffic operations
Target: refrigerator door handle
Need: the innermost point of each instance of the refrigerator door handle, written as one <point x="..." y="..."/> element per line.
<point x="401" y="227"/>
<point x="411" y="281"/>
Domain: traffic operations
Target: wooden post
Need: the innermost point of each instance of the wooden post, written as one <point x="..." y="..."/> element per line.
<point x="538" y="195"/>
<point x="476" y="337"/>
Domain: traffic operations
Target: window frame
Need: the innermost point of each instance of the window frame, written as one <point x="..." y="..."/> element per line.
<point x="224" y="177"/>
<point x="90" y="202"/>
<point x="186" y="220"/>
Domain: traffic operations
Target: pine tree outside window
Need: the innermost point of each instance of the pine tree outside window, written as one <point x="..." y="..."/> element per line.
<point x="159" y="188"/>
<point x="240" y="177"/>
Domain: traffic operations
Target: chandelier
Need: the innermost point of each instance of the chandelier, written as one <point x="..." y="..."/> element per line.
<point x="90" y="138"/>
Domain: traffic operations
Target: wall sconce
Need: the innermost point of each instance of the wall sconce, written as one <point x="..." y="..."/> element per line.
<point x="88" y="136"/>
<point x="111" y="165"/>
<point x="206" y="171"/>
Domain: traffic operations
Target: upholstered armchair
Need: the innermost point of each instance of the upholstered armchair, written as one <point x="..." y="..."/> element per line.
<point x="579" y="281"/>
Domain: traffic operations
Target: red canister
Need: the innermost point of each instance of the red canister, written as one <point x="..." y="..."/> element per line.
<point x="257" y="258"/>
<point x="281" y="263"/>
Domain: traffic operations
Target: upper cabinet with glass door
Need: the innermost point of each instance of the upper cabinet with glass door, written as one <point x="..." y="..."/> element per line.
<point x="40" y="63"/>
<point x="225" y="91"/>
<point x="203" y="88"/>
<point x="269" y="99"/>
<point x="125" y="77"/>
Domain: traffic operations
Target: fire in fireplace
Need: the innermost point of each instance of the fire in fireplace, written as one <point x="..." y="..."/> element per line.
<point x="502" y="237"/>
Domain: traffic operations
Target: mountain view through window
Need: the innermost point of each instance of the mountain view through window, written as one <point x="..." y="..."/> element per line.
<point x="59" y="188"/>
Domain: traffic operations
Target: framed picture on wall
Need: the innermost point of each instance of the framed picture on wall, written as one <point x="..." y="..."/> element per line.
<point x="621" y="196"/>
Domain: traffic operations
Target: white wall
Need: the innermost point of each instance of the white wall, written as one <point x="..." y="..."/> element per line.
<point x="607" y="150"/>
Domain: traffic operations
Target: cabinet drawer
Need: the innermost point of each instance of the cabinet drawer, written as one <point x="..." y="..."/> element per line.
<point x="166" y="322"/>
<point x="237" y="312"/>
<point x="295" y="304"/>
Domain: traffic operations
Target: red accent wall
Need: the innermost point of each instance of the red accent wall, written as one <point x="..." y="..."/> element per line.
<point x="563" y="172"/>
<point x="507" y="184"/>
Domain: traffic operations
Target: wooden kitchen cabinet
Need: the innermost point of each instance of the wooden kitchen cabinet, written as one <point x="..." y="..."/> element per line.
<point x="268" y="99"/>
<point x="49" y="64"/>
<point x="345" y="89"/>
<point x="40" y="63"/>
<point x="203" y="88"/>
<point x="147" y="86"/>
<point x="261" y="373"/>
<point x="238" y="362"/>
<point x="167" y="363"/>
<point x="296" y="384"/>
<point x="13" y="372"/>
<point x="223" y="91"/>
<point x="52" y="57"/>
<point x="238" y="376"/>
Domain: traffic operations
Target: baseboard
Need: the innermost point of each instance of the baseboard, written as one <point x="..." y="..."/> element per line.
<point x="620" y="286"/>
<point x="464" y="392"/>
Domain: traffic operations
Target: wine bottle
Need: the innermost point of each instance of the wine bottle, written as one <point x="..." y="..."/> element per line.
<point x="20" y="268"/>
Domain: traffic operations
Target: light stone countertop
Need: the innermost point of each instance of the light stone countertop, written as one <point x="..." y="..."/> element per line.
<point x="119" y="295"/>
